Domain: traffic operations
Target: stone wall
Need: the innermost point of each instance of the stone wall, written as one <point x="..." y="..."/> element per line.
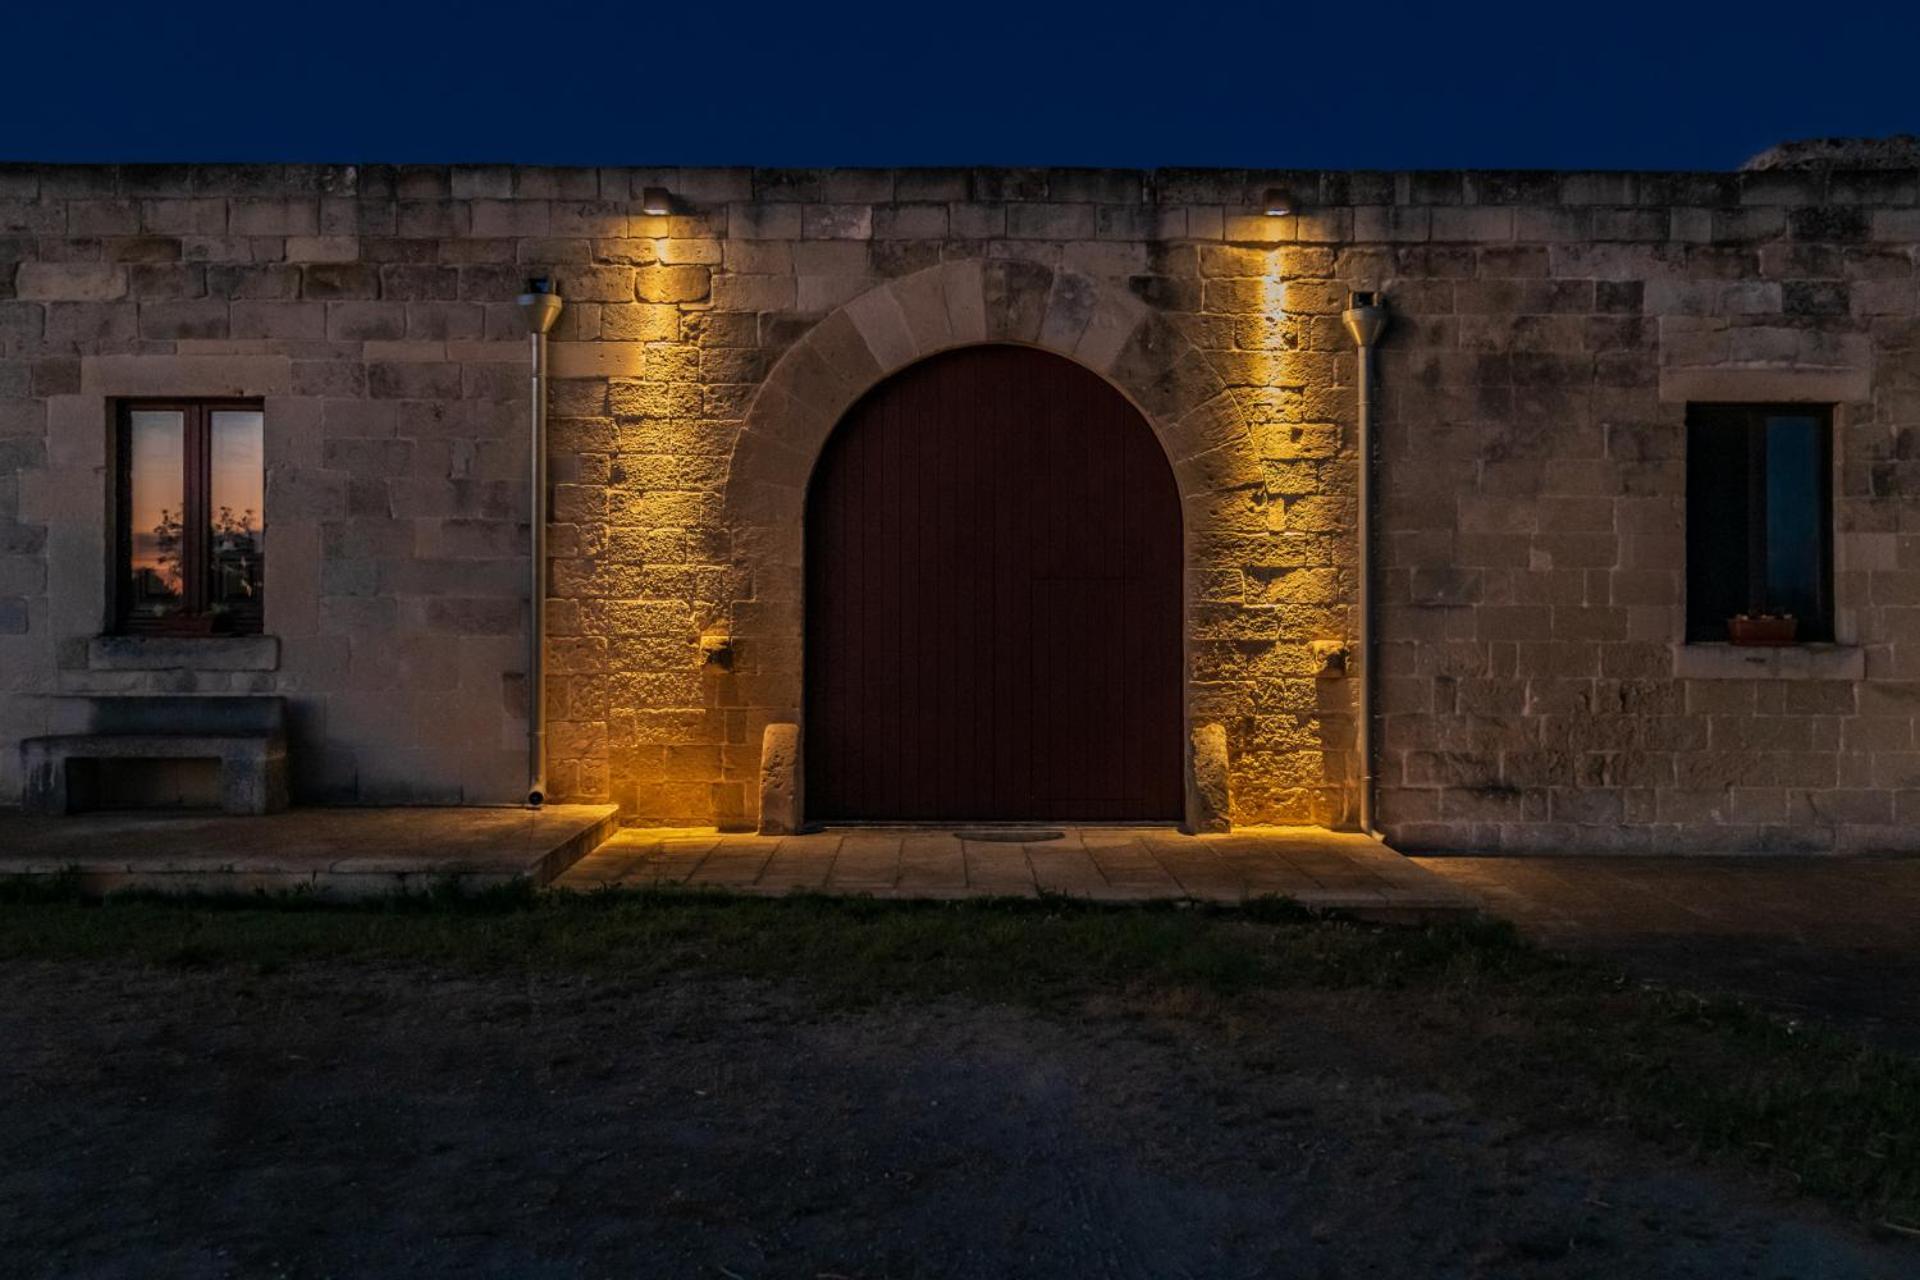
<point x="1549" y="330"/>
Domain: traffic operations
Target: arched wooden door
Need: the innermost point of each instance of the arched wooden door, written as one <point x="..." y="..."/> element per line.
<point x="994" y="601"/>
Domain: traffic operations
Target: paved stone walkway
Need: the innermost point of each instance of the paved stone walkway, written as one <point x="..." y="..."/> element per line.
<point x="1317" y="868"/>
<point x="1830" y="939"/>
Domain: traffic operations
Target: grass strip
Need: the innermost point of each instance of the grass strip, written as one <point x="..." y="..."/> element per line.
<point x="1516" y="1027"/>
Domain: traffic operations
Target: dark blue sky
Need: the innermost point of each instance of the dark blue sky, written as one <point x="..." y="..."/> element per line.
<point x="1301" y="83"/>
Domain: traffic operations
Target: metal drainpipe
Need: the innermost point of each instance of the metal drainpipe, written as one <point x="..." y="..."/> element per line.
<point x="1366" y="320"/>
<point x="542" y="305"/>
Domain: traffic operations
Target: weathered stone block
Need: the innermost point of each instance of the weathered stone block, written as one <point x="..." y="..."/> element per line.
<point x="763" y="221"/>
<point x="1472" y="224"/>
<point x="672" y="284"/>
<point x="331" y="248"/>
<point x="285" y="320"/>
<point x="340" y="280"/>
<point x="1050" y="221"/>
<point x="183" y="217"/>
<point x="273" y="217"/>
<point x="836" y="222"/>
<point x="205" y="318"/>
<point x="70" y="282"/>
<point x="510" y="217"/>
<point x="365" y="321"/>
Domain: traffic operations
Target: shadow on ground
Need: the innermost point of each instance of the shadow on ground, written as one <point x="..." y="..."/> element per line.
<point x="354" y="1119"/>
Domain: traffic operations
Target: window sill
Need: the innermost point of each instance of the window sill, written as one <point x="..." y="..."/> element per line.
<point x="189" y="653"/>
<point x="1751" y="662"/>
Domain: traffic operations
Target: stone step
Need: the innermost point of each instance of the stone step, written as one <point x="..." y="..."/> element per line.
<point x="1320" y="869"/>
<point x="357" y="852"/>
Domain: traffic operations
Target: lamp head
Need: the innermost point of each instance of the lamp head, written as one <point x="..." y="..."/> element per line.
<point x="542" y="303"/>
<point x="1365" y="316"/>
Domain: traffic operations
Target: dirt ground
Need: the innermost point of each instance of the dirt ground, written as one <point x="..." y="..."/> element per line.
<point x="351" y="1120"/>
<point x="1827" y="940"/>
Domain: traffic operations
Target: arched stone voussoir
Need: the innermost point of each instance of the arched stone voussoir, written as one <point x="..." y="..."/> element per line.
<point x="773" y="462"/>
<point x="1070" y="305"/>
<point x="764" y="515"/>
<point x="1214" y="426"/>
<point x="1110" y="325"/>
<point x="965" y="287"/>
<point x="790" y="430"/>
<point x="1166" y="374"/>
<point x="882" y="323"/>
<point x="831" y="367"/>
<point x="1016" y="293"/>
<point x="922" y="301"/>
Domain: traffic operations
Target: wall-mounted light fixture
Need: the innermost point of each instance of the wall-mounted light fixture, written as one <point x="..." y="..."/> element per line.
<point x="716" y="650"/>
<point x="1278" y="203"/>
<point x="656" y="202"/>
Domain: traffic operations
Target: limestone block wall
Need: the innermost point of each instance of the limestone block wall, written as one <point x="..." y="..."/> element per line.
<point x="393" y="376"/>
<point x="1536" y="690"/>
<point x="1549" y="331"/>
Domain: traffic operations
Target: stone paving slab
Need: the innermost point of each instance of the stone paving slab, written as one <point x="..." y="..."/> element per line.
<point x="1318" y="868"/>
<point x="1831" y="939"/>
<point x="350" y="852"/>
<point x="1866" y="903"/>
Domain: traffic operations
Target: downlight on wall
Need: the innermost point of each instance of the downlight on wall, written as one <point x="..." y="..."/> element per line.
<point x="1277" y="202"/>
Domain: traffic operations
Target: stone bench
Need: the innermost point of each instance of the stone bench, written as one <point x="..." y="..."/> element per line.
<point x="246" y="736"/>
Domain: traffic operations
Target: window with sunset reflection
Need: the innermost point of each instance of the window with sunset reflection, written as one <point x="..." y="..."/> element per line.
<point x="192" y="499"/>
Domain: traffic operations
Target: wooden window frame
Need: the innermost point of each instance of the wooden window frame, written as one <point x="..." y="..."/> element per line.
<point x="1753" y="417"/>
<point x="196" y="519"/>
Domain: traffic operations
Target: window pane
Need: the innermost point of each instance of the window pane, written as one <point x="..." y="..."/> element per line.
<point x="237" y="464"/>
<point x="156" y="449"/>
<point x="1759" y="517"/>
<point x="1718" y="517"/>
<point x="1795" y="512"/>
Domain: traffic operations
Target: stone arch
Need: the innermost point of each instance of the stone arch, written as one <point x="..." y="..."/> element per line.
<point x="1096" y="323"/>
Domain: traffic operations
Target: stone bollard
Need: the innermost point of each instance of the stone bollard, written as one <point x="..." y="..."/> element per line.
<point x="1207" y="802"/>
<point x="780" y="794"/>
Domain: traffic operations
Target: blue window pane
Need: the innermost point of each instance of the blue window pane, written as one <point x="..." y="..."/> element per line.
<point x="1795" y="544"/>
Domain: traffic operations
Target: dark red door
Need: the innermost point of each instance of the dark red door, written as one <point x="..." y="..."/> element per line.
<point x="993" y="601"/>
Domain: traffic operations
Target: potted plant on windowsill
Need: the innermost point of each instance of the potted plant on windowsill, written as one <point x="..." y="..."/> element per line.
<point x="217" y="621"/>
<point x="1762" y="629"/>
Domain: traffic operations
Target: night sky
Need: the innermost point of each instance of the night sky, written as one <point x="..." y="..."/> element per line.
<point x="1624" y="85"/>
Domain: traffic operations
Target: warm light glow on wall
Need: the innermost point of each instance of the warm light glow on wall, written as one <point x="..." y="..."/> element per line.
<point x="1264" y="336"/>
<point x="1273" y="289"/>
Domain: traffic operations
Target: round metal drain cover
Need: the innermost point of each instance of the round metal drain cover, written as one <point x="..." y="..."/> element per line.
<point x="1005" y="835"/>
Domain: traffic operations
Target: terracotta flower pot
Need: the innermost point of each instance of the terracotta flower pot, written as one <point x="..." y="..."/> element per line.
<point x="1762" y="628"/>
